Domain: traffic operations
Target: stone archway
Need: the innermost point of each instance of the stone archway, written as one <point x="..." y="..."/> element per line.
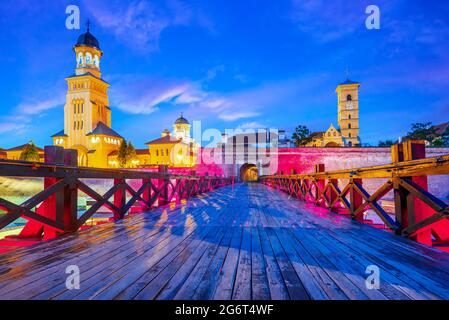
<point x="249" y="173"/>
<point x="332" y="145"/>
<point x="82" y="155"/>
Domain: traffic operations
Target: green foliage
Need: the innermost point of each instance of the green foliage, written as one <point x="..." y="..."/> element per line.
<point x="427" y="132"/>
<point x="386" y="143"/>
<point x="30" y="153"/>
<point x="301" y="136"/>
<point x="422" y="131"/>
<point x="126" y="154"/>
<point x="130" y="152"/>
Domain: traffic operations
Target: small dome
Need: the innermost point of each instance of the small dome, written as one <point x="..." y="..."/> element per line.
<point x="87" y="39"/>
<point x="181" y="120"/>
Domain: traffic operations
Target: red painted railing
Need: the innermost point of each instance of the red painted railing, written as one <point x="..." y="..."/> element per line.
<point x="418" y="214"/>
<point x="54" y="211"/>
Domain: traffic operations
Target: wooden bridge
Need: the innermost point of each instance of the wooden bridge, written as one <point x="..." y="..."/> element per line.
<point x="234" y="241"/>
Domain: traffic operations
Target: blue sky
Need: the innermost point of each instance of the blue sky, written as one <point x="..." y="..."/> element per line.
<point x="228" y="63"/>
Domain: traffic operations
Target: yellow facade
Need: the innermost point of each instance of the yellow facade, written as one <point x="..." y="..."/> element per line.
<point x="348" y="131"/>
<point x="348" y="112"/>
<point x="175" y="150"/>
<point x="87" y="116"/>
<point x="14" y="153"/>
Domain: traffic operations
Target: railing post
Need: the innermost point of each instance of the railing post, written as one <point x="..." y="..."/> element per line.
<point x="356" y="199"/>
<point x="409" y="209"/>
<point x="332" y="195"/>
<point x="146" y="194"/>
<point x="162" y="184"/>
<point x="61" y="206"/>
<point x="70" y="193"/>
<point x="320" y="185"/>
<point x="119" y="198"/>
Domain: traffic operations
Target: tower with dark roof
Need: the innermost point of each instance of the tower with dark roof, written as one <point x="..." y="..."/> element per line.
<point x="87" y="115"/>
<point x="181" y="129"/>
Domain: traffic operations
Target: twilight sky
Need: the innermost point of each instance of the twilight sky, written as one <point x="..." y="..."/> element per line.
<point x="233" y="63"/>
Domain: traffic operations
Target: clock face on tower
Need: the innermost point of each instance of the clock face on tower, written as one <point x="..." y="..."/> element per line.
<point x="349" y="106"/>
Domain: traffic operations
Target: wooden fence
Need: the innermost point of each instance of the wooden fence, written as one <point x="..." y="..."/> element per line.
<point x="54" y="210"/>
<point x="418" y="214"/>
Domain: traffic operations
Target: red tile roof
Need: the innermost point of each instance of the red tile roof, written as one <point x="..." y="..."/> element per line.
<point x="21" y="147"/>
<point x="164" y="140"/>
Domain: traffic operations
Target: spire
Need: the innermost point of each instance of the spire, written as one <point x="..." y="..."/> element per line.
<point x="88" y="25"/>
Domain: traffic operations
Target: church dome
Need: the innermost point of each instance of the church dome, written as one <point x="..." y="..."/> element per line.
<point x="181" y="120"/>
<point x="87" y="39"/>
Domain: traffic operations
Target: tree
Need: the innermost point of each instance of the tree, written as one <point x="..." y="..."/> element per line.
<point x="126" y="154"/>
<point x="441" y="141"/>
<point x="121" y="156"/>
<point x="301" y="136"/>
<point x="422" y="131"/>
<point x="386" y="143"/>
<point x="30" y="153"/>
<point x="130" y="153"/>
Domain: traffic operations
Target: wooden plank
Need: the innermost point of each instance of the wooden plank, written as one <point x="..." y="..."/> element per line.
<point x="225" y="281"/>
<point x="242" y="285"/>
<point x="260" y="286"/>
<point x="187" y="290"/>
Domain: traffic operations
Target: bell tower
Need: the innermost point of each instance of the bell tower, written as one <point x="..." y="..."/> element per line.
<point x="87" y="102"/>
<point x="87" y="116"/>
<point x="348" y="112"/>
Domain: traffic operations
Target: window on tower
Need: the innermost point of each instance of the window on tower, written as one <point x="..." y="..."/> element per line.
<point x="349" y="126"/>
<point x="349" y="97"/>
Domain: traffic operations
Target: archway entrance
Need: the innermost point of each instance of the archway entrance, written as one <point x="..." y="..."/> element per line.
<point x="82" y="155"/>
<point x="332" y="145"/>
<point x="249" y="173"/>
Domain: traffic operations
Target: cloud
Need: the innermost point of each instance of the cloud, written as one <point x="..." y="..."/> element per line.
<point x="140" y="23"/>
<point x="231" y="116"/>
<point x="138" y="94"/>
<point x="251" y="125"/>
<point x="6" y="127"/>
<point x="39" y="106"/>
<point x="327" y="21"/>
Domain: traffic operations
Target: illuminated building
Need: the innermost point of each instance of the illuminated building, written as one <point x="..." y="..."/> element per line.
<point x="87" y="116"/>
<point x="348" y="131"/>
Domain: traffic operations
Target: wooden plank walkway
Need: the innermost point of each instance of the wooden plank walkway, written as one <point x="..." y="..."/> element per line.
<point x="239" y="242"/>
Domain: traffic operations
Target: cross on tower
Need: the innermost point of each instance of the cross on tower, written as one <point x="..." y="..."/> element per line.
<point x="347" y="73"/>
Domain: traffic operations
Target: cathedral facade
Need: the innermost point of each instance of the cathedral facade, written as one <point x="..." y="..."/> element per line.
<point x="347" y="134"/>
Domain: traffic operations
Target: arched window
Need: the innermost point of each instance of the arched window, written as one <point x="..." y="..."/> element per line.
<point x="349" y="116"/>
<point x="349" y="97"/>
<point x="349" y="134"/>
<point x="349" y="126"/>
